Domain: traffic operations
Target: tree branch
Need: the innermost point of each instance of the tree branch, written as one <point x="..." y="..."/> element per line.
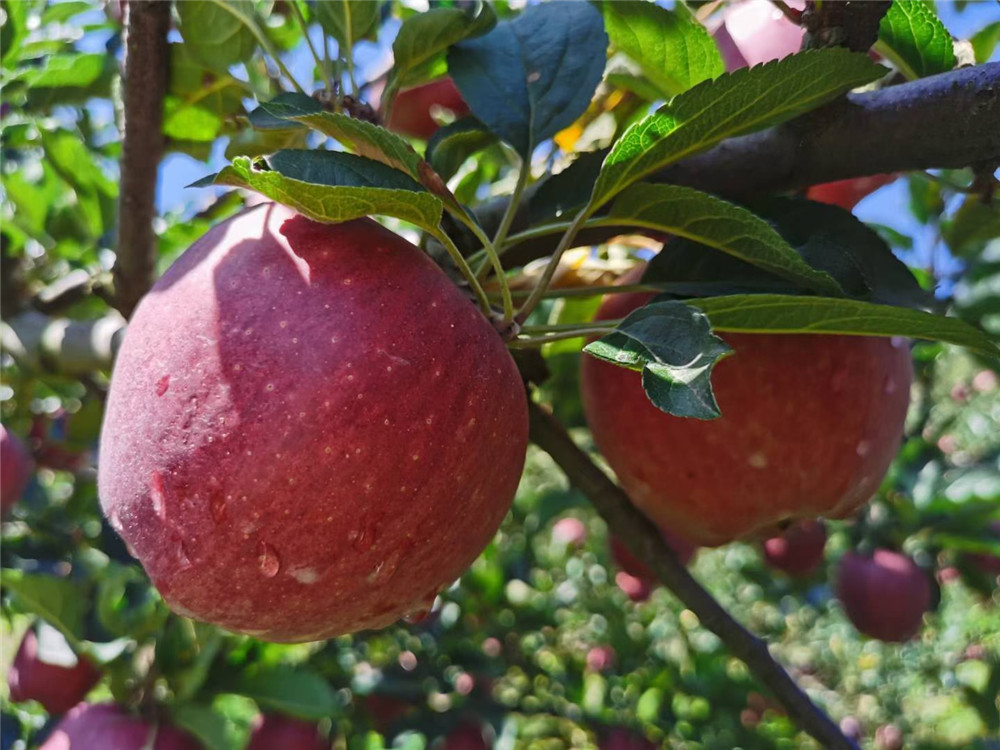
<point x="950" y="120"/>
<point x="147" y="61"/>
<point x="67" y="347"/>
<point x="645" y="541"/>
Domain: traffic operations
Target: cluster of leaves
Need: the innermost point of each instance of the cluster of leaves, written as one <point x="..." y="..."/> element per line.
<point x="508" y="645"/>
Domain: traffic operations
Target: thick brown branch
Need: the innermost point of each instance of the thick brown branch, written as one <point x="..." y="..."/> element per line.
<point x="950" y="120"/>
<point x="646" y="542"/>
<point x="147" y="60"/>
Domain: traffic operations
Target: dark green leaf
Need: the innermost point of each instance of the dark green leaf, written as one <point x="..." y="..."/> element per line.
<point x="673" y="50"/>
<point x="674" y="348"/>
<point x="777" y="313"/>
<point x="59" y="601"/>
<point x="533" y="76"/>
<point x="560" y="194"/>
<point x="218" y="32"/>
<point x="734" y="104"/>
<point x="332" y="186"/>
<point x="451" y="145"/>
<point x="913" y="38"/>
<point x="348" y="21"/>
<point x="296" y="692"/>
<point x="719" y="224"/>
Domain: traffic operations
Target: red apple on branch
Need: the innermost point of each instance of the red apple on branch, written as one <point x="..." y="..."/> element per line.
<point x="809" y="426"/>
<point x="310" y="429"/>
<point x="273" y="731"/>
<point x="885" y="595"/>
<point x="56" y="680"/>
<point x="798" y="551"/>
<point x="414" y="108"/>
<point x="106" y="726"/>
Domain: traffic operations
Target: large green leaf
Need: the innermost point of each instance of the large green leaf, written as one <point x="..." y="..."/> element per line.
<point x="218" y="32"/>
<point x="69" y="70"/>
<point x="348" y="21"/>
<point x="733" y="104"/>
<point x="674" y="348"/>
<point x="534" y="75"/>
<point x="673" y="50"/>
<point x="204" y="723"/>
<point x="915" y="40"/>
<point x="719" y="224"/>
<point x="779" y="313"/>
<point x="332" y="187"/>
<point x="296" y="692"/>
<point x="61" y="602"/>
<point x="419" y="47"/>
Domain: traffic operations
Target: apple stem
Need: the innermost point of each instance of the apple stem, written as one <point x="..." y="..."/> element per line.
<point x="625" y="521"/>
<point x="466" y="271"/>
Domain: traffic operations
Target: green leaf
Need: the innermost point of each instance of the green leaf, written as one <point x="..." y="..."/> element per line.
<point x="348" y="21"/>
<point x="366" y="139"/>
<point x="985" y="41"/>
<point x="973" y="225"/>
<point x="249" y="142"/>
<point x="560" y="194"/>
<point x="674" y="348"/>
<point x="673" y="50"/>
<point x="534" y="75"/>
<point x="913" y="38"/>
<point x="451" y="145"/>
<point x="66" y="71"/>
<point x="296" y="692"/>
<point x="734" y="104"/>
<point x="779" y="313"/>
<point x="419" y="48"/>
<point x="14" y="29"/>
<point x="204" y="723"/>
<point x="719" y="224"/>
<point x="332" y="186"/>
<point x="217" y="31"/>
<point x="60" y="602"/>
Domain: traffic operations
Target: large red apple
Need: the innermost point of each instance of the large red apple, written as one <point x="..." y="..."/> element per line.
<point x="273" y="731"/>
<point x="413" y="109"/>
<point x="16" y="467"/>
<point x="809" y="426"/>
<point x="58" y="686"/>
<point x="799" y="550"/>
<point x="106" y="726"/>
<point x="309" y="430"/>
<point x="885" y="595"/>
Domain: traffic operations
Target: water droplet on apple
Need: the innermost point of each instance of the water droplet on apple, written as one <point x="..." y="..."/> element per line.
<point x="268" y="560"/>
<point x="162" y="385"/>
<point x="158" y="495"/>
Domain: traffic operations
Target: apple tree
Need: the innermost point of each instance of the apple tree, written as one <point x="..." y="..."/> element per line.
<point x="536" y="375"/>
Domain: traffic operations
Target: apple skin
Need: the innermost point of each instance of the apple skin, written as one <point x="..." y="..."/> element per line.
<point x="466" y="737"/>
<point x="110" y="727"/>
<point x="310" y="429"/>
<point x="848" y="193"/>
<point x="799" y="550"/>
<point x="16" y="468"/>
<point x="56" y="687"/>
<point x="272" y="731"/>
<point x="809" y="426"/>
<point x="885" y="596"/>
<point x="411" y="111"/>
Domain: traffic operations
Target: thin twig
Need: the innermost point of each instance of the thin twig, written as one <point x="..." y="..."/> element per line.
<point x="644" y="539"/>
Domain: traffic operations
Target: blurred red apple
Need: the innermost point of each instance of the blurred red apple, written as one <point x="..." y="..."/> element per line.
<point x="799" y="550"/>
<point x="466" y="737"/>
<point x="16" y="468"/>
<point x="809" y="426"/>
<point x="569" y="532"/>
<point x="888" y="737"/>
<point x="848" y="193"/>
<point x="106" y="726"/>
<point x="625" y="739"/>
<point x="413" y="110"/>
<point x="310" y="429"/>
<point x="56" y="680"/>
<point x="637" y="589"/>
<point x="884" y="595"/>
<point x="273" y="731"/>
<point x="601" y="658"/>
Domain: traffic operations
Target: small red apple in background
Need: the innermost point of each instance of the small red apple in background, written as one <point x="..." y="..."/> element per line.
<point x="988" y="563"/>
<point x="57" y="679"/>
<point x="888" y="737"/>
<point x="413" y="109"/>
<point x="799" y="550"/>
<point x="885" y="595"/>
<point x="601" y="658"/>
<point x="635" y="578"/>
<point x="106" y="726"/>
<point x="274" y="731"/>
<point x="315" y="402"/>
<point x="571" y="532"/>
<point x="848" y="193"/>
<point x="16" y="468"/>
<point x="809" y="426"/>
<point x="466" y="737"/>
<point x="625" y="739"/>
